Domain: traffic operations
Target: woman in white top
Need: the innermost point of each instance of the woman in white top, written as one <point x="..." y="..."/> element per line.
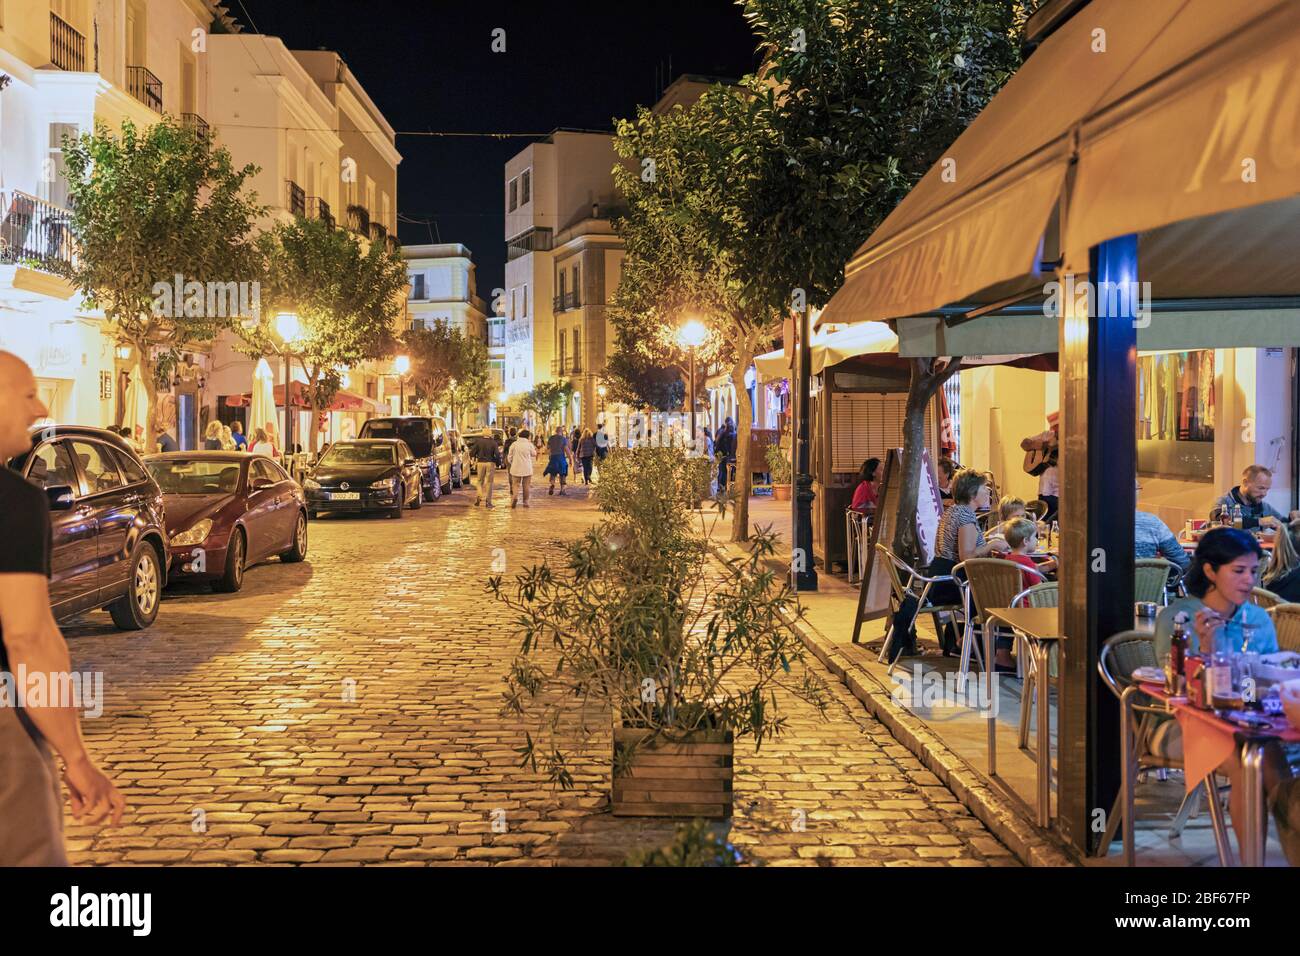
<point x="261" y="445"/>
<point x="522" y="461"/>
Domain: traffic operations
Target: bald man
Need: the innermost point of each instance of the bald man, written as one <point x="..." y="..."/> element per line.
<point x="31" y="803"/>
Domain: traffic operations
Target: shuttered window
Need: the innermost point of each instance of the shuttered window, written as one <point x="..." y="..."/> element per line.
<point x="867" y="426"/>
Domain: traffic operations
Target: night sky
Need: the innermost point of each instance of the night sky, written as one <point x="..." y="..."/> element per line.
<point x="428" y="66"/>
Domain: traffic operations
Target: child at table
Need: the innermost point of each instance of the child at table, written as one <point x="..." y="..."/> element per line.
<point x="1021" y="536"/>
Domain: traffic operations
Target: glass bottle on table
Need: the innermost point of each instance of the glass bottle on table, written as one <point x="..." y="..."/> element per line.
<point x="1219" y="672"/>
<point x="1175" y="663"/>
<point x="1236" y="516"/>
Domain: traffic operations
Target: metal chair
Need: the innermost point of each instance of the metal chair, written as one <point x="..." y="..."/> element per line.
<point x="1043" y="594"/>
<point x="915" y="585"/>
<point x="1286" y="621"/>
<point x="1120" y="656"/>
<point x="990" y="583"/>
<point x="1151" y="580"/>
<point x="857" y="535"/>
<point x="1266" y="598"/>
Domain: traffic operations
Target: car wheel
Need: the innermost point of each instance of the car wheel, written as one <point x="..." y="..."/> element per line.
<point x="401" y="502"/>
<point x="446" y="489"/>
<point x="232" y="579"/>
<point x="428" y="494"/>
<point x="417" y="501"/>
<point x="298" y="550"/>
<point x="139" y="606"/>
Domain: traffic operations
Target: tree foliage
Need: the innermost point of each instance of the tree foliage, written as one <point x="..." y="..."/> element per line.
<point x="148" y="206"/>
<point x="443" y="354"/>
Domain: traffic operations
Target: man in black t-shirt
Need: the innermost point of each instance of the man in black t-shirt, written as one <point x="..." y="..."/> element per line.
<point x="31" y="802"/>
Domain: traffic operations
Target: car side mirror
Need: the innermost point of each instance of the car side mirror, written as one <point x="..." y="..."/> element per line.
<point x="62" y="497"/>
<point x="260" y="483"/>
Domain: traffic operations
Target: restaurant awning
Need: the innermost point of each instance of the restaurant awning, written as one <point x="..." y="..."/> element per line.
<point x="1181" y="119"/>
<point x="343" y="401"/>
<point x="831" y="348"/>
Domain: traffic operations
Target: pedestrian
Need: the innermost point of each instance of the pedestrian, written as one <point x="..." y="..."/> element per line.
<point x="166" y="442"/>
<point x="262" y="444"/>
<point x="31" y="799"/>
<point x="724" y="446"/>
<point x="488" y="455"/>
<point x="511" y="437"/>
<point x="602" y="442"/>
<point x="212" y="436"/>
<point x="227" y="438"/>
<point x="586" y="451"/>
<point x="237" y="433"/>
<point x="557" y="465"/>
<point x="523" y="460"/>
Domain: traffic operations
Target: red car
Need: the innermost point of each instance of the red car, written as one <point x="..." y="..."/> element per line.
<point x="226" y="511"/>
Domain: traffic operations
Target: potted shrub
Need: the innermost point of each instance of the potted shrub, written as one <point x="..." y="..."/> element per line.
<point x="640" y="639"/>
<point x="778" y="467"/>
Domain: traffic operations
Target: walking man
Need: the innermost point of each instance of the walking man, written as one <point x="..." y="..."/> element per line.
<point x="523" y="459"/>
<point x="724" y="446"/>
<point x="488" y="456"/>
<point x="557" y="465"/>
<point x="511" y="434"/>
<point x="602" y="443"/>
<point x="31" y="802"/>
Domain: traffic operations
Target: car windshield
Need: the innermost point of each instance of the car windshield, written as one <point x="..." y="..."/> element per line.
<point x="341" y="454"/>
<point x="414" y="432"/>
<point x="193" y="477"/>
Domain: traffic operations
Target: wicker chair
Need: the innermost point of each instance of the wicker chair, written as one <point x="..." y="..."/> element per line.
<point x="1120" y="656"/>
<point x="907" y="582"/>
<point x="1151" y="580"/>
<point x="1286" y="620"/>
<point x="1266" y="598"/>
<point x="989" y="583"/>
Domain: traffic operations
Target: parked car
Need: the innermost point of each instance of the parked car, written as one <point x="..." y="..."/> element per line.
<point x="110" y="541"/>
<point x="498" y="433"/>
<point x="367" y="474"/>
<point x="227" y="511"/>
<point x="427" y="438"/>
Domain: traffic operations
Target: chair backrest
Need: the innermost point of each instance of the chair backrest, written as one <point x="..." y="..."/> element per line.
<point x="894" y="566"/>
<point x="1043" y="594"/>
<point x="1036" y="508"/>
<point x="1121" y="655"/>
<point x="1266" y="598"/>
<point x="1150" y="578"/>
<point x="1286" y="620"/>
<point x="993" y="582"/>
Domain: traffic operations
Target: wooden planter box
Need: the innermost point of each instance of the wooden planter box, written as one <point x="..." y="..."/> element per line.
<point x="687" y="779"/>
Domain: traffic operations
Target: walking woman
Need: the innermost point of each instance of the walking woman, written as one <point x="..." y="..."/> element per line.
<point x="557" y="465"/>
<point x="586" y="452"/>
<point x="523" y="459"/>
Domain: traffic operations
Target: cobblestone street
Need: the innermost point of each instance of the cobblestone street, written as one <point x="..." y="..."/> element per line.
<point x="346" y="710"/>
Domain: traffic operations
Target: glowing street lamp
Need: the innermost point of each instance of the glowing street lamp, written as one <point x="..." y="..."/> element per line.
<point x="691" y="336"/>
<point x="289" y="328"/>
<point x="403" y="365"/>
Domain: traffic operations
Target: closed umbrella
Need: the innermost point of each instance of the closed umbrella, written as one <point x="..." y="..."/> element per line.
<point x="262" y="408"/>
<point x="136" y="404"/>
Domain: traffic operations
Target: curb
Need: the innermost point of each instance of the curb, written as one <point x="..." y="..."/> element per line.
<point x="1031" y="846"/>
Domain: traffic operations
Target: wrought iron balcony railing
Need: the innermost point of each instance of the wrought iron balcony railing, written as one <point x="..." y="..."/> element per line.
<point x="318" y="208"/>
<point x="378" y="232"/>
<point x="296" y="201"/>
<point x="394" y="246"/>
<point x="566" y="301"/>
<point x="197" y="123"/>
<point x="359" y="220"/>
<point x="566" y="365"/>
<point x="145" y="87"/>
<point x="67" y="46"/>
<point x="35" y="233"/>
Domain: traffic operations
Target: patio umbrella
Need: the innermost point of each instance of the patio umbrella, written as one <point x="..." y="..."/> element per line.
<point x="136" y="403"/>
<point x="262" y="404"/>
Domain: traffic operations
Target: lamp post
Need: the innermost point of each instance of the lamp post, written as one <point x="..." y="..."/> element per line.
<point x="403" y="365"/>
<point x="289" y="328"/>
<point x="691" y="336"/>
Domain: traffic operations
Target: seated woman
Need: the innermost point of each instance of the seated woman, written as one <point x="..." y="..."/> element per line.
<point x="864" y="495"/>
<point x="1282" y="576"/>
<point x="1217" y="609"/>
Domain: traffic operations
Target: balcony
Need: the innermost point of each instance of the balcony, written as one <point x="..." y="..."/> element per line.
<point x="563" y="366"/>
<point x="296" y="199"/>
<point x="145" y="87"/>
<point x="566" y="301"/>
<point x="67" y="46"/>
<point x="378" y="232"/>
<point x="534" y="240"/>
<point x="394" y="246"/>
<point x="359" y="220"/>
<point x="318" y="208"/>
<point x="35" y="233"/>
<point x="496" y="335"/>
<point x="197" y="123"/>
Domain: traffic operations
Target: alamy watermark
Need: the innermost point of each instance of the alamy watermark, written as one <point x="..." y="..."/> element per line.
<point x="192" y="299"/>
<point x="82" y="690"/>
<point x="1104" y="300"/>
<point x="936" y="690"/>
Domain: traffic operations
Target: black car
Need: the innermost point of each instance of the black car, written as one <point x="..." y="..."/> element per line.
<point x="427" y="438"/>
<point x="368" y="474"/>
<point x="110" y="539"/>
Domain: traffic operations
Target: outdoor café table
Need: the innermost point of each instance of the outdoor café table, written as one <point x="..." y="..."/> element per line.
<point x="1040" y="627"/>
<point x="1208" y="740"/>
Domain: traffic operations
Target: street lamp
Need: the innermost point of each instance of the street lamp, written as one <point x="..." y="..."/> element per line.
<point x="403" y="365"/>
<point x="289" y="328"/>
<point x="691" y="336"/>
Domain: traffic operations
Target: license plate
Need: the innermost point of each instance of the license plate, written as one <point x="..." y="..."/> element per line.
<point x="345" y="496"/>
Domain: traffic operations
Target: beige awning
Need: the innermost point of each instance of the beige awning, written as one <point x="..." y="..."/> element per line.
<point x="870" y="338"/>
<point x="1173" y="109"/>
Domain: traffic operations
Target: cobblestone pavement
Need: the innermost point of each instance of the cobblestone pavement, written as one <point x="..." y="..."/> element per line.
<point x="229" y="728"/>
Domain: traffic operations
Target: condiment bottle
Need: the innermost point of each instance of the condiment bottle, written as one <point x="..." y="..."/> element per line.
<point x="1175" y="682"/>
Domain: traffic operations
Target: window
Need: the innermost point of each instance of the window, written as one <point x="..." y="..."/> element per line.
<point x="576" y="286"/>
<point x="417" y="286"/>
<point x="52" y="465"/>
<point x="57" y="190"/>
<point x="513" y="303"/>
<point x="562" y="276"/>
<point x="130" y="467"/>
<point x="526" y="189"/>
<point x="262" y="469"/>
<point x="189" y="81"/>
<point x="98" y="466"/>
<point x="525" y="301"/>
<point x="577" y="350"/>
<point x="513" y="202"/>
<point x="562" y="351"/>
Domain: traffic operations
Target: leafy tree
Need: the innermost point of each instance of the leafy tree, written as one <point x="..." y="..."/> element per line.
<point x="861" y="97"/>
<point x="636" y="380"/>
<point x="441" y="355"/>
<point x="546" y="400"/>
<point x="147" y="207"/>
<point x="348" y="301"/>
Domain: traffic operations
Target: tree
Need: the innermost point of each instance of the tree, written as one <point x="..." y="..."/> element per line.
<point x="640" y="382"/>
<point x="347" y="299"/>
<point x="162" y="226"/>
<point x="546" y="400"/>
<point x="686" y="191"/>
<point x="862" y="97"/>
<point x="442" y="355"/>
